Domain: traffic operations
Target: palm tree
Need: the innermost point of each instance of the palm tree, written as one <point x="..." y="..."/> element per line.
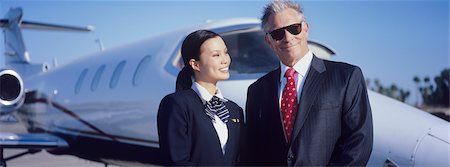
<point x="417" y="81"/>
<point x="393" y="91"/>
<point x="378" y="86"/>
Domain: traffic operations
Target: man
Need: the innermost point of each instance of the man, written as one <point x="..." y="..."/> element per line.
<point x="308" y="112"/>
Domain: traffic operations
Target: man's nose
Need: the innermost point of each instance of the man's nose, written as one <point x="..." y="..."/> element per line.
<point x="287" y="35"/>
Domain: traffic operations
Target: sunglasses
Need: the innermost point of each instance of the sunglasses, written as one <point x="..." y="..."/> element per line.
<point x="278" y="34"/>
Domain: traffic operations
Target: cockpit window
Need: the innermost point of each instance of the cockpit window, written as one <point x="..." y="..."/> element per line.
<point x="249" y="53"/>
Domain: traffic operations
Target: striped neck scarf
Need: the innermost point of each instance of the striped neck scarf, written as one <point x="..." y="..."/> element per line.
<point x="216" y="106"/>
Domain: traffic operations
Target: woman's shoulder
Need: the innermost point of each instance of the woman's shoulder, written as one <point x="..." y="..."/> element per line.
<point x="233" y="104"/>
<point x="180" y="100"/>
<point x="179" y="95"/>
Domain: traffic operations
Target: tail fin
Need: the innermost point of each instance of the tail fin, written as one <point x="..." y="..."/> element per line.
<point x="16" y="54"/>
<point x="15" y="51"/>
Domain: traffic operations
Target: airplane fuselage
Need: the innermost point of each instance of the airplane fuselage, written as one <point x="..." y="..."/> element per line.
<point x="105" y="104"/>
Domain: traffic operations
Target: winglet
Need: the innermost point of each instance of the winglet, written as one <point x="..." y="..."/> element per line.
<point x="54" y="27"/>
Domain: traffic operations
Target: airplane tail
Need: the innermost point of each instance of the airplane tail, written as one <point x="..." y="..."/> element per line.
<point x="17" y="59"/>
<point x="16" y="54"/>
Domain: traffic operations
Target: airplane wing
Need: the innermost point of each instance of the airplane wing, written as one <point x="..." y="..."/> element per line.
<point x="35" y="140"/>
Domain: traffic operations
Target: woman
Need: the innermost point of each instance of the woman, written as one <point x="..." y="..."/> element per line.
<point x="197" y="126"/>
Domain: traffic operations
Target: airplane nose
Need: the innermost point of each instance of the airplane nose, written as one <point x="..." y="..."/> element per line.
<point x="432" y="149"/>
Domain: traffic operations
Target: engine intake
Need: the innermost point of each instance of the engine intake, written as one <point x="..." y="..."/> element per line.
<point x="11" y="91"/>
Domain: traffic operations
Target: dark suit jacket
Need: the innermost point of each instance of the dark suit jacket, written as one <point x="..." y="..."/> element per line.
<point x="187" y="135"/>
<point x="333" y="125"/>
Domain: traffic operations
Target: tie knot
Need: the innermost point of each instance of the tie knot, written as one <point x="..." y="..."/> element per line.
<point x="215" y="100"/>
<point x="290" y="72"/>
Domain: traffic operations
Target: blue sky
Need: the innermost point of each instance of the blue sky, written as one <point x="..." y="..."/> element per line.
<point x="390" y="40"/>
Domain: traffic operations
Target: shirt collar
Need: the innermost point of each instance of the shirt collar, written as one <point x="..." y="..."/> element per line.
<point x="204" y="94"/>
<point x="301" y="66"/>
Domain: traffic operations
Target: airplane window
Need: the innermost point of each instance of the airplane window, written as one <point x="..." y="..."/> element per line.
<point x="249" y="52"/>
<point x="139" y="73"/>
<point x="80" y="81"/>
<point x="389" y="163"/>
<point x="97" y="77"/>
<point x="116" y="74"/>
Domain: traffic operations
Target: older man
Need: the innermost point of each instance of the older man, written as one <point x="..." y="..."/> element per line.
<point x="307" y="112"/>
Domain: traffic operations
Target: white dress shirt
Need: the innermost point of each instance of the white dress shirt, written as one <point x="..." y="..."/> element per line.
<point x="302" y="68"/>
<point x="219" y="125"/>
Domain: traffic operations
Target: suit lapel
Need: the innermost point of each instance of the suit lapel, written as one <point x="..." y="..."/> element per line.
<point x="313" y="80"/>
<point x="273" y="103"/>
<point x="274" y="85"/>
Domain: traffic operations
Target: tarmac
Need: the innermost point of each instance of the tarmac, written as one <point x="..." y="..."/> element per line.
<point x="42" y="158"/>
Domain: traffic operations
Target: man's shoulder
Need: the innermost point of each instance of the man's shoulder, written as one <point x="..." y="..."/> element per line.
<point x="340" y="67"/>
<point x="265" y="79"/>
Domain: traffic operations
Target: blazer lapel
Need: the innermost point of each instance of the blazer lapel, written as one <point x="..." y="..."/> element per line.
<point x="205" y="120"/>
<point x="313" y="80"/>
<point x="232" y="129"/>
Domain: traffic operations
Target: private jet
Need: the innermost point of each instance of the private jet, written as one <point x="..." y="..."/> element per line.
<point x="103" y="106"/>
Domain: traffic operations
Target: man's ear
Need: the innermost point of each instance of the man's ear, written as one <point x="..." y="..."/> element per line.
<point x="305" y="27"/>
<point x="268" y="40"/>
<point x="194" y="64"/>
<point x="305" y="30"/>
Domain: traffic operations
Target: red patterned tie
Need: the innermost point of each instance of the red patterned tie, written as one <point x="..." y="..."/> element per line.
<point x="289" y="102"/>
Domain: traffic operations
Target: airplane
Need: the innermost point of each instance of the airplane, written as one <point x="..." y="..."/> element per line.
<point x="103" y="107"/>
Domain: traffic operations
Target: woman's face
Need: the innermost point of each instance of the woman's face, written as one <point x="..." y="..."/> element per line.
<point x="214" y="61"/>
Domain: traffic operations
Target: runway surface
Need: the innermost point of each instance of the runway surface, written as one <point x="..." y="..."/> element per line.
<point x="42" y="158"/>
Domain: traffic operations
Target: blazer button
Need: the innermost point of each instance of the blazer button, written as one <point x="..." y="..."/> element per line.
<point x="290" y="157"/>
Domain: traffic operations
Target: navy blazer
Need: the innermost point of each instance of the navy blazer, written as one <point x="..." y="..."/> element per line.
<point x="333" y="125"/>
<point x="187" y="136"/>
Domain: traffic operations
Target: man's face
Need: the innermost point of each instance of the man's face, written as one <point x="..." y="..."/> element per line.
<point x="290" y="48"/>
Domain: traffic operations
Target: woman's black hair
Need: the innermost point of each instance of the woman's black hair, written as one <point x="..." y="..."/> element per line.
<point x="191" y="50"/>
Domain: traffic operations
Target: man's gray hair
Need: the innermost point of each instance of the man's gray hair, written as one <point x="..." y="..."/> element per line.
<point x="276" y="7"/>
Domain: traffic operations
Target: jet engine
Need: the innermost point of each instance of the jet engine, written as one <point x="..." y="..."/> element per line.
<point x="11" y="91"/>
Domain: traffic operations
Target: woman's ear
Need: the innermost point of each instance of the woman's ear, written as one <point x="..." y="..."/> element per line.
<point x="194" y="64"/>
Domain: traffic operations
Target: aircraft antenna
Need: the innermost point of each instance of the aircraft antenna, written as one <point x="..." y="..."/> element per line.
<point x="55" y="63"/>
<point x="100" y="43"/>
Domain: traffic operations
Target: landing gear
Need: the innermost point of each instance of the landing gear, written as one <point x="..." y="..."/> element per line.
<point x="3" y="159"/>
